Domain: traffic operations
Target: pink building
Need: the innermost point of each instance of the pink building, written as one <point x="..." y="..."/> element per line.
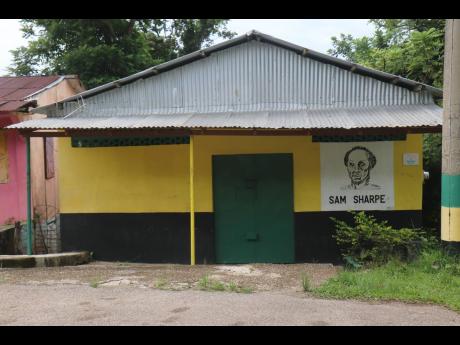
<point x="17" y="95"/>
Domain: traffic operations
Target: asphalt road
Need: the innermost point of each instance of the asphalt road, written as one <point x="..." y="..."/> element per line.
<point x="129" y="305"/>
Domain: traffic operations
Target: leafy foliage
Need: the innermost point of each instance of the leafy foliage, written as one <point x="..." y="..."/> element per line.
<point x="370" y="241"/>
<point x="412" y="48"/>
<point x="102" y="50"/>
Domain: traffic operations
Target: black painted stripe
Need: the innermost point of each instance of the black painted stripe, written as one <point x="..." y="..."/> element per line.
<point x="452" y="247"/>
<point x="138" y="237"/>
<point x="165" y="237"/>
<point x="314" y="230"/>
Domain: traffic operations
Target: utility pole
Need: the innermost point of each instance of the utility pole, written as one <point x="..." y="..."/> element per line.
<point x="450" y="190"/>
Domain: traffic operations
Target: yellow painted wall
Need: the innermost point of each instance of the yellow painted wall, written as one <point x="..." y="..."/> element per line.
<point x="408" y="180"/>
<point x="307" y="187"/>
<point x="123" y="179"/>
<point x="155" y="178"/>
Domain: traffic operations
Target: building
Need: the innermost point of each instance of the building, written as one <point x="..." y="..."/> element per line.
<point x="240" y="152"/>
<point x="17" y="96"/>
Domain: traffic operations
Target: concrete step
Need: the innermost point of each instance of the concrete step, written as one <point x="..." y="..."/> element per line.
<point x="45" y="260"/>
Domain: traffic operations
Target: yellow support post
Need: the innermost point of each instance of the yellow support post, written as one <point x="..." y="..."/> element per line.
<point x="192" y="207"/>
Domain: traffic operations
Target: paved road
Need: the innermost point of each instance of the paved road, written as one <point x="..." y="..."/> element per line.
<point x="127" y="305"/>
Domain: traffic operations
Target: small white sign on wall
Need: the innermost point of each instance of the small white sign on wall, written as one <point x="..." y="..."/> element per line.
<point x="410" y="159"/>
<point x="357" y="176"/>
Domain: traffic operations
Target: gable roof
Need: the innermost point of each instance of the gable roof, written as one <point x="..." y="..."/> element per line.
<point x="252" y="81"/>
<point x="261" y="37"/>
<point x="15" y="91"/>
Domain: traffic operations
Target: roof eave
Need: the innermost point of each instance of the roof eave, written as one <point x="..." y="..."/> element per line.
<point x="25" y="105"/>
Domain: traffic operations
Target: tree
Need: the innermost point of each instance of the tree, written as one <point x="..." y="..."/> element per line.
<point x="414" y="49"/>
<point x="103" y="50"/>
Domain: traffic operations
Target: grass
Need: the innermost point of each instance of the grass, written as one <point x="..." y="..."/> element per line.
<point x="306" y="283"/>
<point x="123" y="264"/>
<point x="161" y="284"/>
<point x="94" y="283"/>
<point x="207" y="284"/>
<point x="434" y="277"/>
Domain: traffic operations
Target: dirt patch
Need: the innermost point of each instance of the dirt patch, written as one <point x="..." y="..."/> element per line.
<point x="257" y="277"/>
<point x="240" y="270"/>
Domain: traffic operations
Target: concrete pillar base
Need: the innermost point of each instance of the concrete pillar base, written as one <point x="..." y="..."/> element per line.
<point x="451" y="247"/>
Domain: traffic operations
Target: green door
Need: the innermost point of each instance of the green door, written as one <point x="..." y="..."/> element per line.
<point x="253" y="208"/>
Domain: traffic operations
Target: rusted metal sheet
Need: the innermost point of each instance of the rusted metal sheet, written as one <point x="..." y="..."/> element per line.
<point x="15" y="90"/>
<point x="8" y="106"/>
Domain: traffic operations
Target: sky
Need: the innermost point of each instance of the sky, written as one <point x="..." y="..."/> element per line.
<point x="314" y="34"/>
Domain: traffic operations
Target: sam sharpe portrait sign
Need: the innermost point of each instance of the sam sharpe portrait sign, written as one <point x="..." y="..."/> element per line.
<point x="357" y="176"/>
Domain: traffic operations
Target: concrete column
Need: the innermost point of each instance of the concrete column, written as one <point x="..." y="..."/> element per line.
<point x="450" y="198"/>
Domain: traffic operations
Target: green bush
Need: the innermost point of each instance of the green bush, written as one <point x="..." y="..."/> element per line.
<point x="369" y="241"/>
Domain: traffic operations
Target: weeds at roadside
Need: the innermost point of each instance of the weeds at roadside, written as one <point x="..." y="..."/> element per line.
<point x="245" y="289"/>
<point x="161" y="284"/>
<point x="306" y="284"/>
<point x="207" y="284"/>
<point x="94" y="283"/>
<point x="122" y="264"/>
<point x="233" y="287"/>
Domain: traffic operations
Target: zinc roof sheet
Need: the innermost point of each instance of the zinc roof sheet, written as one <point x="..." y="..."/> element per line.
<point x="261" y="37"/>
<point x="334" y="118"/>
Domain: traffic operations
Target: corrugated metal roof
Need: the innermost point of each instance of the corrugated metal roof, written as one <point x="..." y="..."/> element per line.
<point x="8" y="106"/>
<point x="252" y="82"/>
<point x="15" y="90"/>
<point x="250" y="77"/>
<point x="260" y="37"/>
<point x="345" y="118"/>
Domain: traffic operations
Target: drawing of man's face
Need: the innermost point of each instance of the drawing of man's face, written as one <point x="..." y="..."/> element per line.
<point x="358" y="166"/>
<point x="359" y="162"/>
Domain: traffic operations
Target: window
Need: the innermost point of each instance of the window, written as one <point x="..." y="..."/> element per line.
<point x="128" y="141"/>
<point x="49" y="157"/>
<point x="3" y="158"/>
